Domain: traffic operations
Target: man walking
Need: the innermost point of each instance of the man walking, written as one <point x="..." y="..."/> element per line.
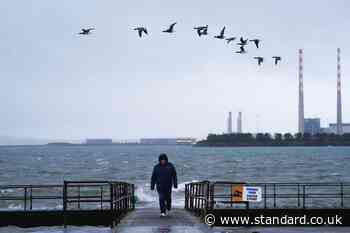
<point x="164" y="177"/>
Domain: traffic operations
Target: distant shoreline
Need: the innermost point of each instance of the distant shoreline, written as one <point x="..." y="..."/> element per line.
<point x="278" y="140"/>
<point x="267" y="145"/>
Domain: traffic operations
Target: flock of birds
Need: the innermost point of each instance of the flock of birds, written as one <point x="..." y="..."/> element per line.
<point x="203" y="31"/>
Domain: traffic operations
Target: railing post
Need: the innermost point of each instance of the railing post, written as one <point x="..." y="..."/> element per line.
<point x="195" y="196"/>
<point x="191" y="196"/>
<point x="207" y="196"/>
<point x="186" y="196"/>
<point x="265" y="196"/>
<point x="212" y="194"/>
<point x="341" y="195"/>
<point x="101" y="196"/>
<point x="231" y="195"/>
<point x="25" y="198"/>
<point x="79" y="197"/>
<point x="64" y="204"/>
<point x="111" y="197"/>
<point x="133" y="196"/>
<point x="298" y="195"/>
<point x="274" y="195"/>
<point x="31" y="198"/>
<point x="304" y="196"/>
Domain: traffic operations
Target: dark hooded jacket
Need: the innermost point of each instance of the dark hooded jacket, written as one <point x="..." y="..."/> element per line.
<point x="164" y="176"/>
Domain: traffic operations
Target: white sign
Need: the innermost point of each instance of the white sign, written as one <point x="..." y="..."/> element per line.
<point x="252" y="194"/>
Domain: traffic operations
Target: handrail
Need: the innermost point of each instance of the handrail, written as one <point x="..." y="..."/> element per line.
<point x="71" y="192"/>
<point x="274" y="195"/>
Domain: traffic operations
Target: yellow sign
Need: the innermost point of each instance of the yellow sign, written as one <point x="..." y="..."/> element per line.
<point x="237" y="193"/>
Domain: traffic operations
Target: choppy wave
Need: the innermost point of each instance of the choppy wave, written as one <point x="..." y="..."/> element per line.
<point x="145" y="197"/>
<point x="102" y="162"/>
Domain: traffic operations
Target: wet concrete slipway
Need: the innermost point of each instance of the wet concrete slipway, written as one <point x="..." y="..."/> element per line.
<point x="147" y="220"/>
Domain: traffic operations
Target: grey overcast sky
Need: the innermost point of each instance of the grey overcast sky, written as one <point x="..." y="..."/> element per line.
<point x="57" y="84"/>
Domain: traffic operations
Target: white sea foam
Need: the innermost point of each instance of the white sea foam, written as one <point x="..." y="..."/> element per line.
<point x="102" y="162"/>
<point x="15" y="207"/>
<point x="4" y="191"/>
<point x="143" y="194"/>
<point x="146" y="197"/>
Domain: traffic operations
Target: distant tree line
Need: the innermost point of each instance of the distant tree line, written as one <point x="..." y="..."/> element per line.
<point x="278" y="139"/>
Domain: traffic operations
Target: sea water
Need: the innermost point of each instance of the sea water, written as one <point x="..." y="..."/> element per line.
<point x="134" y="164"/>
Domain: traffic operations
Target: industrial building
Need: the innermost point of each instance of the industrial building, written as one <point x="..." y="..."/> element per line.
<point x="168" y="141"/>
<point x="99" y="141"/>
<point x="334" y="129"/>
<point x="312" y="125"/>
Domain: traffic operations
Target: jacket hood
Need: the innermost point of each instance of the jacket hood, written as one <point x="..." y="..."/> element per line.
<point x="163" y="157"/>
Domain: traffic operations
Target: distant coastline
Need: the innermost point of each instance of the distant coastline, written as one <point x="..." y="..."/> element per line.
<point x="278" y="140"/>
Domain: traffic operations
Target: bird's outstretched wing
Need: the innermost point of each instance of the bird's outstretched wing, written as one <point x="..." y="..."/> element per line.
<point x="172" y="26"/>
<point x="230" y="39"/>
<point x="242" y="41"/>
<point x="222" y="31"/>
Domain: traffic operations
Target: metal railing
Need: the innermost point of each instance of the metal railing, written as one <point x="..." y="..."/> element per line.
<point x="203" y="196"/>
<point x="72" y="195"/>
<point x="30" y="197"/>
<point x="115" y="197"/>
<point x="197" y="197"/>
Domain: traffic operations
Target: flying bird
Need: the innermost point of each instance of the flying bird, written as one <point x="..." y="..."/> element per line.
<point x="277" y="59"/>
<point x="86" y="31"/>
<point x="230" y="39"/>
<point x="205" y="31"/>
<point x="171" y="28"/>
<point x="256" y="42"/>
<point x="242" y="41"/>
<point x="201" y="30"/>
<point x="242" y="50"/>
<point x="260" y="60"/>
<point x="221" y="35"/>
<point x="141" y="30"/>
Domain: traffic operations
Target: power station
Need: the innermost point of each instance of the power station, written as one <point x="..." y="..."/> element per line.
<point x="312" y="125"/>
<point x="308" y="125"/>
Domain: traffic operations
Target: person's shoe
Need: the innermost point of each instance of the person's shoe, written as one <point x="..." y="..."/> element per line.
<point x="162" y="215"/>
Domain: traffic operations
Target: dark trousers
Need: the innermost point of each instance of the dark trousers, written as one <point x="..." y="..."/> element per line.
<point x="164" y="200"/>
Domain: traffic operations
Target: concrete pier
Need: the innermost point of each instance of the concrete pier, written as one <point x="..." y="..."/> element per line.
<point x="148" y="220"/>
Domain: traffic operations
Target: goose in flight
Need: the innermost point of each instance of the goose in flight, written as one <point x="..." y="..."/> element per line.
<point x="171" y="28"/>
<point x="277" y="59"/>
<point x="260" y="60"/>
<point x="256" y="42"/>
<point x="201" y="30"/>
<point x="141" y="30"/>
<point x="86" y="31"/>
<point x="242" y="50"/>
<point x="242" y="41"/>
<point x="230" y="39"/>
<point x="221" y="35"/>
